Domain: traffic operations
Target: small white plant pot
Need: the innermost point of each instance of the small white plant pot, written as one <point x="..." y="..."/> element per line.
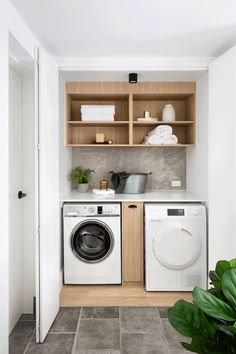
<point x="168" y="113"/>
<point x="83" y="187"/>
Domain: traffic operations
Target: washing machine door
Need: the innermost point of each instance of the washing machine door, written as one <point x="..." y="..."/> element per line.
<point x="176" y="246"/>
<point x="92" y="241"/>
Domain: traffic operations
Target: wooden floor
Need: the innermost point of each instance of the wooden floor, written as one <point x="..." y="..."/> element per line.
<point x="117" y="295"/>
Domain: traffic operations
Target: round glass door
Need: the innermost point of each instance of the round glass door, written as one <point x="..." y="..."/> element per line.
<point x="176" y="246"/>
<point x="92" y="241"/>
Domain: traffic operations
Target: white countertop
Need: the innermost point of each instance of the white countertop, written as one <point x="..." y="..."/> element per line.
<point x="182" y="196"/>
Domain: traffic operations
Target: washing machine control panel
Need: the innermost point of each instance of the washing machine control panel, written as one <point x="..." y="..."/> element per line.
<point x="77" y="210"/>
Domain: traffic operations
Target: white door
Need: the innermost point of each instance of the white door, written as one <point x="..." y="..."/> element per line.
<point x="48" y="252"/>
<point x="15" y="204"/>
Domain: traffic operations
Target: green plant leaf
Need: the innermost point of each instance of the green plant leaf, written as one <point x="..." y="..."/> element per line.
<point x="213" y="306"/>
<point x="233" y="263"/>
<point x="215" y="280"/>
<point x="229" y="286"/>
<point x="218" y="293"/>
<point x="221" y="267"/>
<point x="188" y="320"/>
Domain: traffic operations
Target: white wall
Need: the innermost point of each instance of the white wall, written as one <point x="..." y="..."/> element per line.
<point x="222" y="157"/>
<point x="10" y="21"/>
<point x="65" y="162"/>
<point x="65" y="153"/>
<point x="197" y="158"/>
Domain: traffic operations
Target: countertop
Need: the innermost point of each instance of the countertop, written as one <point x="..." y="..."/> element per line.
<point x="181" y="196"/>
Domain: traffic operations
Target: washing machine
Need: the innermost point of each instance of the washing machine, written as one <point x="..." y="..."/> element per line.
<point x="175" y="247"/>
<point x="92" y="243"/>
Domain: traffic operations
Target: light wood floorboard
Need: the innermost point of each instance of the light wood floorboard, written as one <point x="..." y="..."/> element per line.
<point x="117" y="295"/>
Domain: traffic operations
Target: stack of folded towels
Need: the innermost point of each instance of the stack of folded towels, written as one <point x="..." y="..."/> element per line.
<point x="161" y="135"/>
<point x="97" y="113"/>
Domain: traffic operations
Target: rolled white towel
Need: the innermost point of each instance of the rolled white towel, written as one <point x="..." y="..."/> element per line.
<point x="161" y="130"/>
<point x="145" y="140"/>
<point x="104" y="192"/>
<point x="155" y="140"/>
<point x="97" y="117"/>
<point x="97" y="108"/>
<point x="170" y="140"/>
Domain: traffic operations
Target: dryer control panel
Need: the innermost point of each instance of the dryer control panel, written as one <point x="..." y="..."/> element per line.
<point x="160" y="211"/>
<point x="105" y="209"/>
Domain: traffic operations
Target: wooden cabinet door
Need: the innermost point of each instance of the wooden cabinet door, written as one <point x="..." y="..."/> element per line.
<point x="132" y="244"/>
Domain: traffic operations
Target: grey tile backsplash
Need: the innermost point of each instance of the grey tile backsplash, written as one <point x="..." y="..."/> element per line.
<point x="167" y="164"/>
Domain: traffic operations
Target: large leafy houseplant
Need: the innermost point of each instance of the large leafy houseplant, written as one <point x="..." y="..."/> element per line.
<point x="211" y="319"/>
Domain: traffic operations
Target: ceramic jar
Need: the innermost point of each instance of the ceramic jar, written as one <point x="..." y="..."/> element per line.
<point x="168" y="113"/>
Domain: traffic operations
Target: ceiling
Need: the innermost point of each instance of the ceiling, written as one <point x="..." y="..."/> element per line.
<point x="120" y="28"/>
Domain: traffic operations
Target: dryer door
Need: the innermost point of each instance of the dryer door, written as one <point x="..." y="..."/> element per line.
<point x="176" y="246"/>
<point x="92" y="241"/>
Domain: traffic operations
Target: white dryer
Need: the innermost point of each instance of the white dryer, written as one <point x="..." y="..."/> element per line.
<point x="175" y="247"/>
<point x="92" y="243"/>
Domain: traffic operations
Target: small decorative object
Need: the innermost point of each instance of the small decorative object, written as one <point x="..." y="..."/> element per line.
<point x="133" y="78"/>
<point x="146" y="114"/>
<point x="104" y="185"/>
<point x="110" y="142"/>
<point x="82" y="177"/>
<point x="168" y="113"/>
<point x="99" y="138"/>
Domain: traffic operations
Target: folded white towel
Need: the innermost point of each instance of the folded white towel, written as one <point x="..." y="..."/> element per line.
<point x="97" y="117"/>
<point x="155" y="140"/>
<point x="97" y="108"/>
<point x="103" y="192"/>
<point x="161" y="130"/>
<point x="170" y="140"/>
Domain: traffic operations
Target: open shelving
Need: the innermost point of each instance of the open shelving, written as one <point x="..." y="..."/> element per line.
<point x="130" y="102"/>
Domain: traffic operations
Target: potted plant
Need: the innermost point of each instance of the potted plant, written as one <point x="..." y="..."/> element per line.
<point x="82" y="177"/>
<point x="211" y="319"/>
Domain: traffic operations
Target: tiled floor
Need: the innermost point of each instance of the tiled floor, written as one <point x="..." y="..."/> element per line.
<point x="101" y="330"/>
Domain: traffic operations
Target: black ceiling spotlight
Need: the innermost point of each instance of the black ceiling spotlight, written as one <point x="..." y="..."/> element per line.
<point x="133" y="78"/>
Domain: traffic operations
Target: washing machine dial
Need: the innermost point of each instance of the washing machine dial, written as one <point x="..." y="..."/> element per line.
<point x="91" y="210"/>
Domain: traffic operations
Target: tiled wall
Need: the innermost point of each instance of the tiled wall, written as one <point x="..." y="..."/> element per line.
<point x="166" y="164"/>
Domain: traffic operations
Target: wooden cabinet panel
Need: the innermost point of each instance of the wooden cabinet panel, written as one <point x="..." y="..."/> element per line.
<point x="132" y="244"/>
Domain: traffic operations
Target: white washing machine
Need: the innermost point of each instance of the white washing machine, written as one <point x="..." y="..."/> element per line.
<point x="92" y="243"/>
<point x="175" y="247"/>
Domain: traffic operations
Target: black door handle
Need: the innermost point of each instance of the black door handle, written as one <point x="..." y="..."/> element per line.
<point x="132" y="206"/>
<point x="21" y="195"/>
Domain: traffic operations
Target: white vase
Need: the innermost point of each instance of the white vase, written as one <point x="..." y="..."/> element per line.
<point x="83" y="187"/>
<point x="168" y="113"/>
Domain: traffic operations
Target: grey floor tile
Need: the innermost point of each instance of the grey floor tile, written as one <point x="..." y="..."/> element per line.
<point x="27" y="317"/>
<point x="98" y="334"/>
<point x="66" y="320"/>
<point x="20" y="336"/>
<point x="103" y="351"/>
<point x="163" y="311"/>
<point x="58" y="343"/>
<point x="143" y="343"/>
<point x="100" y="312"/>
<point x="140" y="319"/>
<point x="173" y="337"/>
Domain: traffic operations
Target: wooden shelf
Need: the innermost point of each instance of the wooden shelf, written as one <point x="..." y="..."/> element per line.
<point x="181" y="122"/>
<point x="94" y="123"/>
<point x="130" y="102"/>
<point x="130" y="145"/>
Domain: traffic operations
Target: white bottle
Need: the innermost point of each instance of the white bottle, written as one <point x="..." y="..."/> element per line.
<point x="168" y="113"/>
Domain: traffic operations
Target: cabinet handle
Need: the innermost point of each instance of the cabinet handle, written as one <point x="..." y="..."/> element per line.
<point x="132" y="206"/>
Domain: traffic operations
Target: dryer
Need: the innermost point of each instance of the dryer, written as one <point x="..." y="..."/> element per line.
<point x="92" y="243"/>
<point x="175" y="247"/>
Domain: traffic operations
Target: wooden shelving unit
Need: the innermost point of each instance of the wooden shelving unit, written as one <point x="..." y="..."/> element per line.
<point x="130" y="102"/>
